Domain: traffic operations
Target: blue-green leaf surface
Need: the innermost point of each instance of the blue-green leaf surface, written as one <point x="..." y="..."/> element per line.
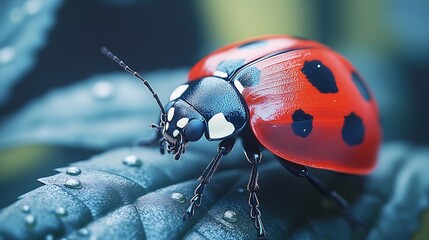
<point x="24" y="25"/>
<point x="79" y="115"/>
<point x="147" y="197"/>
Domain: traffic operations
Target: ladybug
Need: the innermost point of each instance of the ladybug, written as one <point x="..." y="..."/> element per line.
<point x="294" y="97"/>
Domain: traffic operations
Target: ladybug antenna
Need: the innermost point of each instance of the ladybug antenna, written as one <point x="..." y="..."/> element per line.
<point x="121" y="63"/>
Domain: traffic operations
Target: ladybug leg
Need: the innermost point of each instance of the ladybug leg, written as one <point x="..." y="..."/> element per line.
<point x="252" y="187"/>
<point x="302" y="171"/>
<point x="225" y="146"/>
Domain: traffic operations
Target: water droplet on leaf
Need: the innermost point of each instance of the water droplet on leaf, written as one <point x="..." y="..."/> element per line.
<point x="241" y="190"/>
<point x="73" y="171"/>
<point x="25" y="208"/>
<point x="178" y="197"/>
<point x="83" y="232"/>
<point x="60" y="212"/>
<point x="132" y="161"/>
<point x="73" y="183"/>
<point x="7" y="54"/>
<point x="30" y="220"/>
<point x="49" y="237"/>
<point x="230" y="216"/>
<point x="33" y="6"/>
<point x="102" y="90"/>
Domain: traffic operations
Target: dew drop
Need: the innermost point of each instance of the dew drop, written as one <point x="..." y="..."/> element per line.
<point x="30" y="220"/>
<point x="49" y="237"/>
<point x="60" y="212"/>
<point x="241" y="190"/>
<point x="25" y="208"/>
<point x="33" y="6"/>
<point x="132" y="161"/>
<point x="73" y="183"/>
<point x="102" y="90"/>
<point x="230" y="216"/>
<point x="83" y="232"/>
<point x="73" y="171"/>
<point x="7" y="54"/>
<point x="178" y="197"/>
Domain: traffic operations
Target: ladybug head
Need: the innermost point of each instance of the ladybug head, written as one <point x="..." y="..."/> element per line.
<point x="181" y="125"/>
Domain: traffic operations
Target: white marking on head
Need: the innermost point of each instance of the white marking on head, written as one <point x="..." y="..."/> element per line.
<point x="220" y="74"/>
<point x="178" y="91"/>
<point x="219" y="127"/>
<point x="167" y="125"/>
<point x="182" y="122"/>
<point x="239" y="86"/>
<point x="170" y="114"/>
<point x="175" y="133"/>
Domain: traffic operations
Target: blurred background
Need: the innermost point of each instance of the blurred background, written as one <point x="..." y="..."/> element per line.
<point x="62" y="101"/>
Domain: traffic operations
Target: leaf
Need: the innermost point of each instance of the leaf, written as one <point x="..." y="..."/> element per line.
<point x="79" y="115"/>
<point x="135" y="202"/>
<point x="23" y="29"/>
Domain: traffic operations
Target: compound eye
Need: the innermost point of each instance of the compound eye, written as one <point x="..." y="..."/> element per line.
<point x="194" y="130"/>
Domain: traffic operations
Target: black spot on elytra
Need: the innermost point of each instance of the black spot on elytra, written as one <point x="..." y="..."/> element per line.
<point x="361" y="86"/>
<point x="230" y="66"/>
<point x="253" y="44"/>
<point x="302" y="123"/>
<point x="353" y="130"/>
<point x="320" y="76"/>
<point x="249" y="76"/>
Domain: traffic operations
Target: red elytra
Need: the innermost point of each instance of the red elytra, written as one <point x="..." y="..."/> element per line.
<point x="283" y="87"/>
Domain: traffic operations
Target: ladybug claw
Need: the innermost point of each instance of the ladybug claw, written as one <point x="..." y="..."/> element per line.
<point x="189" y="212"/>
<point x="260" y="226"/>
